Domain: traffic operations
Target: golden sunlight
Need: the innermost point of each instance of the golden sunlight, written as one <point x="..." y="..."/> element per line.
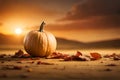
<point x="18" y="31"/>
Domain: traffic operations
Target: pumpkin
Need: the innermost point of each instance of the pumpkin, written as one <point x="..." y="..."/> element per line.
<point x="40" y="43"/>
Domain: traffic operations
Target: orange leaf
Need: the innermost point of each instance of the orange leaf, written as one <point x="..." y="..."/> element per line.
<point x="78" y="53"/>
<point x="96" y="55"/>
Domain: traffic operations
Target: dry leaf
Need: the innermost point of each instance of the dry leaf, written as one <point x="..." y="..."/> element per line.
<point x="95" y="56"/>
<point x="78" y="53"/>
<point x="111" y="64"/>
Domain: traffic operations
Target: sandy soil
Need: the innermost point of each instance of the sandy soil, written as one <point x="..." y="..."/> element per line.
<point x="56" y="69"/>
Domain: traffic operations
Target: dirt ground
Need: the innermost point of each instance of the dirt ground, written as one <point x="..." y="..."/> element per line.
<point x="57" y="69"/>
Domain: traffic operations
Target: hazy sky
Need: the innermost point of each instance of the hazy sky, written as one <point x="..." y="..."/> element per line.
<point x="82" y="20"/>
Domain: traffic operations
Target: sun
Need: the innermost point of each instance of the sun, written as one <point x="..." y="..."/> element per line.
<point x="18" y="31"/>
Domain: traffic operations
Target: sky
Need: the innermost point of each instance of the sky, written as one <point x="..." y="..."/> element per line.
<point x="81" y="20"/>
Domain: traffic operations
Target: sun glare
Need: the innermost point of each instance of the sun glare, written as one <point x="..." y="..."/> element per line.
<point x="18" y="31"/>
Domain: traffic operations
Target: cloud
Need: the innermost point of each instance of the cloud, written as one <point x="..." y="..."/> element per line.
<point x="94" y="14"/>
<point x="92" y="8"/>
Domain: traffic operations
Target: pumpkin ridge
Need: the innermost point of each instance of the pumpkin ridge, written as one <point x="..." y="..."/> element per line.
<point x="47" y="43"/>
<point x="33" y="40"/>
<point x="28" y="48"/>
<point x="39" y="38"/>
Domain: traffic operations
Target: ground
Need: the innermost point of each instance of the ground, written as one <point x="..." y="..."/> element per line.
<point x="57" y="69"/>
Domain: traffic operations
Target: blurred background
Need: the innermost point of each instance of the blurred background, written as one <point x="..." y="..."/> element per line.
<point x="77" y="24"/>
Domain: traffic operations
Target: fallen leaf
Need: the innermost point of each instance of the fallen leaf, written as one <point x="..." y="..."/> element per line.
<point x="29" y="70"/>
<point x="116" y="58"/>
<point x="18" y="54"/>
<point x="24" y="75"/>
<point x="96" y="56"/>
<point x="26" y="55"/>
<point x="17" y="67"/>
<point x="44" y="63"/>
<point x="11" y="67"/>
<point x="2" y="55"/>
<point x="111" y="64"/>
<point x="19" y="62"/>
<point x="2" y="62"/>
<point x="3" y="75"/>
<point x="68" y="58"/>
<point x="78" y="53"/>
<point x="108" y="69"/>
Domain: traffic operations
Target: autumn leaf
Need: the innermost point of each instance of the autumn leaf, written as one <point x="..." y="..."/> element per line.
<point x="96" y="56"/>
<point x="78" y="53"/>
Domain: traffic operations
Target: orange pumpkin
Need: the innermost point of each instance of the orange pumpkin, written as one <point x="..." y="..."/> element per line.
<point x="40" y="43"/>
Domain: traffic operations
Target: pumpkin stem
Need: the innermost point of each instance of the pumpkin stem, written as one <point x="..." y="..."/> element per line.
<point x="41" y="26"/>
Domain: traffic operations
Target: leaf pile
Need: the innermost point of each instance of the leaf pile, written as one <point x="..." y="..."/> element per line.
<point x="77" y="57"/>
<point x="113" y="56"/>
<point x="20" y="54"/>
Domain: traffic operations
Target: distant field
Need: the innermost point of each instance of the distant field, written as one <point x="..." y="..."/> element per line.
<point x="11" y="49"/>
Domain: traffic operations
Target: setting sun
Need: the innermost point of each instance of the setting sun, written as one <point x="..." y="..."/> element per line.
<point x="18" y="31"/>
